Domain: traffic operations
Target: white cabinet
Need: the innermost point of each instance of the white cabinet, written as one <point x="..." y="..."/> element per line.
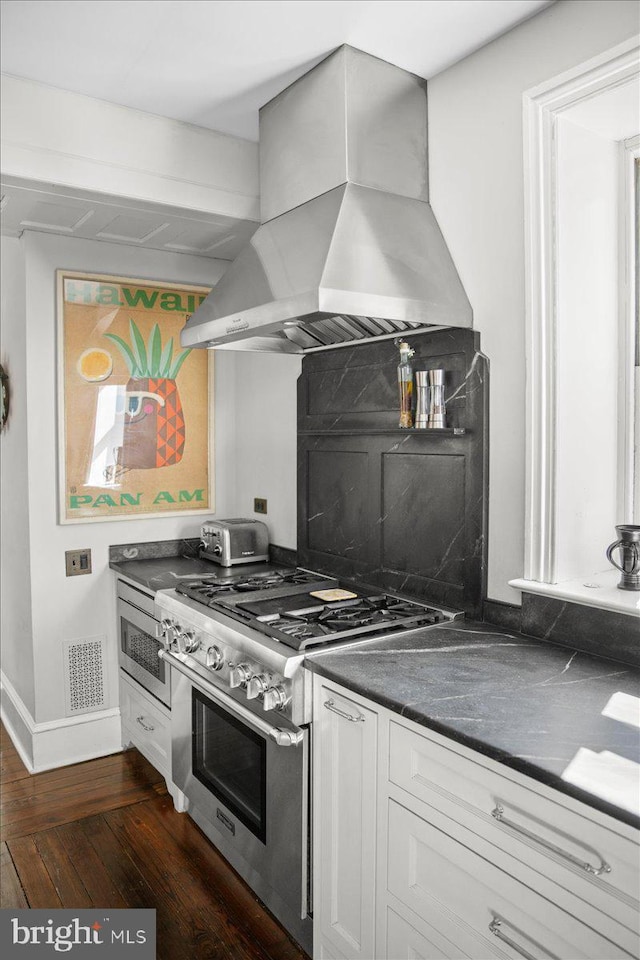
<point x="577" y="858"/>
<point x="482" y="909"/>
<point x="345" y="762"/>
<point x="454" y="854"/>
<point x="146" y="725"/>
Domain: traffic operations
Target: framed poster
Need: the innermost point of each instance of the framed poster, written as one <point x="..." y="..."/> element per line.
<point x="133" y="407"/>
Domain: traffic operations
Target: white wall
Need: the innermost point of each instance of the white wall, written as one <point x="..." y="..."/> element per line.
<point x="477" y="193"/>
<point x="75" y="608"/>
<point x="15" y="574"/>
<point x="266" y="412"/>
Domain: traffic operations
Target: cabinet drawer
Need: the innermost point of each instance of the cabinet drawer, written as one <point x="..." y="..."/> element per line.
<point x="545" y="835"/>
<point x="486" y="912"/>
<point x="147" y="724"/>
<point x="404" y="942"/>
<point x="326" y="951"/>
<point x="143" y="599"/>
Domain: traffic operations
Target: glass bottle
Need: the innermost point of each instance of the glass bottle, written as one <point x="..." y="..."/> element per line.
<point x="405" y="384"/>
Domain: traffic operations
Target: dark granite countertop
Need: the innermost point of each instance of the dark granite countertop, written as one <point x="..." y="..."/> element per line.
<point x="162" y="573"/>
<point x="544" y="710"/>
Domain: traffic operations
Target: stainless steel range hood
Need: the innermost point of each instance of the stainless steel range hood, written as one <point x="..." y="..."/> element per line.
<point x="349" y="248"/>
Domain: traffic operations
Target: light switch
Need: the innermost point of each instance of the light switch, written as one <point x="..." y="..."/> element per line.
<point x="77" y="562"/>
<point x="259" y="505"/>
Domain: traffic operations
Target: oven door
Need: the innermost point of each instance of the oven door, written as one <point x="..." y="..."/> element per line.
<point x="246" y="791"/>
<point x="138" y="653"/>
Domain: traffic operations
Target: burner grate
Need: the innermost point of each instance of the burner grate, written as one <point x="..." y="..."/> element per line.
<point x="208" y="592"/>
<point x="350" y="619"/>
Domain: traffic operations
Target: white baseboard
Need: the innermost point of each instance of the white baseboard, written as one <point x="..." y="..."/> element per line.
<point x="58" y="743"/>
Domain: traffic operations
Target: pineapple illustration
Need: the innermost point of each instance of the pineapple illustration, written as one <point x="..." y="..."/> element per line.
<point x="154" y="428"/>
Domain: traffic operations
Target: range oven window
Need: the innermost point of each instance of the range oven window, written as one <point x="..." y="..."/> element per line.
<point x="142" y="648"/>
<point x="230" y="759"/>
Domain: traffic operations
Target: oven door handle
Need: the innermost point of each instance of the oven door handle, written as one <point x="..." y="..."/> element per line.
<point x="283" y="738"/>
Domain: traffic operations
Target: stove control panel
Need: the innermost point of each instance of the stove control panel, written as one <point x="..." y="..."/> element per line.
<point x="239" y="674"/>
<point x="215" y="657"/>
<point x="257" y="686"/>
<point x="229" y="668"/>
<point x="275" y="698"/>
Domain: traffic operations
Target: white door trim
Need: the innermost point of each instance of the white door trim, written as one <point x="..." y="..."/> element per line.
<point x="542" y="106"/>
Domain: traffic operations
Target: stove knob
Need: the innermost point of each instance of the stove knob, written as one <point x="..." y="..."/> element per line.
<point x="164" y="632"/>
<point x="239" y="674"/>
<point x="275" y="698"/>
<point x="215" y="657"/>
<point x="187" y="641"/>
<point x="257" y="686"/>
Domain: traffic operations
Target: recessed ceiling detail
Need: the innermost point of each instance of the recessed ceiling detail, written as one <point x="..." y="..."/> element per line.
<point x="62" y="218"/>
<point x="199" y="239"/>
<point x="132" y="229"/>
<point x="28" y="206"/>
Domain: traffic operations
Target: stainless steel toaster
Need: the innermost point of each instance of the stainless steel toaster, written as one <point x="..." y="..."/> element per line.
<point x="230" y="542"/>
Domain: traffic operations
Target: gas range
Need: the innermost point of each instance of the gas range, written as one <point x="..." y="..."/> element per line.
<point x="247" y="634"/>
<point x="241" y="706"/>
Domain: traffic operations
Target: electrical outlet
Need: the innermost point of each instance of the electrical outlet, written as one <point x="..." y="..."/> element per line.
<point x="259" y="505"/>
<point x="77" y="562"/>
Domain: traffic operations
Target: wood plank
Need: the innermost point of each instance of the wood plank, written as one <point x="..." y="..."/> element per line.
<point x="95" y="878"/>
<point x="32" y="816"/>
<point x="223" y="882"/>
<point x="129" y="767"/>
<point x="185" y="887"/>
<point x="173" y="931"/>
<point x="60" y="796"/>
<point x="11" y="766"/>
<point x="62" y="871"/>
<point x="11" y="892"/>
<point x="34" y="877"/>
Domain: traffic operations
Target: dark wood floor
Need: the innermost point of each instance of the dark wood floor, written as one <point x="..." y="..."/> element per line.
<point x="105" y="834"/>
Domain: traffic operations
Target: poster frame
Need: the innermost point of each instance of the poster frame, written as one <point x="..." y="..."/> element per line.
<point x="123" y="513"/>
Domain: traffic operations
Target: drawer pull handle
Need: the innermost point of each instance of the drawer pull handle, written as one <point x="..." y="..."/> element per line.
<point x="145" y="726"/>
<point x="498" y="814"/>
<point x="330" y="705"/>
<point x="494" y="928"/>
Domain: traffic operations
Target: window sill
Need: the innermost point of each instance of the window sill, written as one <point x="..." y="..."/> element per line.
<point x="602" y="592"/>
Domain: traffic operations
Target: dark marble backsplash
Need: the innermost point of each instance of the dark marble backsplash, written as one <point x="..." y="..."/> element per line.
<point x="403" y="510"/>
<point x="590" y="629"/>
<point x="283" y="555"/>
<point x="501" y="614"/>
<point x="602" y="633"/>
<point x="154" y="550"/>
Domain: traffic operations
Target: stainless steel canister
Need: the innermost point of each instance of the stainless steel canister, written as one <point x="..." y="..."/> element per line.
<point x="437" y="412"/>
<point x="422" y="399"/>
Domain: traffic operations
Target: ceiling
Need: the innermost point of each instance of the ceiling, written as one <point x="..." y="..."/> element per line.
<point x="214" y="63"/>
